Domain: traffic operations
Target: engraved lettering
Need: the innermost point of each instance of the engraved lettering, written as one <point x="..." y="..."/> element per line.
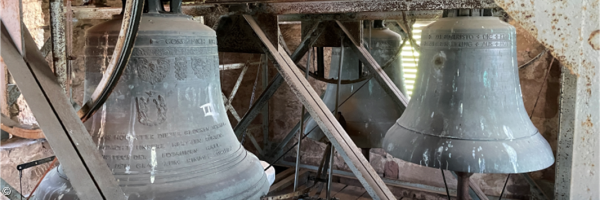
<point x="179" y="153"/>
<point x="213" y="137"/>
<point x="120" y="166"/>
<point x="198" y="158"/>
<point x="171" y="163"/>
<point x="212" y="146"/>
<point x="223" y="151"/>
<point x="149" y="146"/>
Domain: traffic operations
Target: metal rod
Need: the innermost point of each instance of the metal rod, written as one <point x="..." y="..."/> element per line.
<point x="265" y="110"/>
<point x="335" y="113"/>
<point x="330" y="171"/>
<point x="308" y="61"/>
<point x="251" y="101"/>
<point x="445" y="184"/>
<point x="503" y="188"/>
<point x="463" y="185"/>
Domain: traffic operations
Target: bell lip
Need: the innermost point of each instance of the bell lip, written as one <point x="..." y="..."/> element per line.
<point x="529" y="154"/>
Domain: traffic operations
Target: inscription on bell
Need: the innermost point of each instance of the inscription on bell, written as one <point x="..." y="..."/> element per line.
<point x="454" y="36"/>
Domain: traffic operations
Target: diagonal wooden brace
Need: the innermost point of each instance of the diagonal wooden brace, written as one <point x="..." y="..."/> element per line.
<point x="70" y="141"/>
<point x="380" y="75"/>
<point x="315" y="32"/>
<point x="351" y="154"/>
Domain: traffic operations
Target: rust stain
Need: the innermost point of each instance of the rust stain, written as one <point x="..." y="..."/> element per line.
<point x="594" y="39"/>
<point x="588" y="122"/>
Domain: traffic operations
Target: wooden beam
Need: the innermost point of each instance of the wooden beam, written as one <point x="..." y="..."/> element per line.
<point x="322" y="115"/>
<point x="12" y="18"/>
<point x="256" y="108"/>
<point x="287" y="181"/>
<point x="382" y="78"/>
<point x="70" y="141"/>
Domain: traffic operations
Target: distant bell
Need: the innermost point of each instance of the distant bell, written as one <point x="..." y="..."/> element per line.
<point x="466" y="113"/>
<point x="164" y="132"/>
<point x="367" y="109"/>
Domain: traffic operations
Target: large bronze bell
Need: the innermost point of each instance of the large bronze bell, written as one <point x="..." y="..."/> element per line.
<point x="164" y="131"/>
<point x="365" y="107"/>
<point x="467" y="112"/>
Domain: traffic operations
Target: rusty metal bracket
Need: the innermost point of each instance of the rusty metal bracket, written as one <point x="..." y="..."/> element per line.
<point x="318" y="110"/>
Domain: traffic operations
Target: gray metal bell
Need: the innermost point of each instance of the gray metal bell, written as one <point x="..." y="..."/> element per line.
<point x="369" y="112"/>
<point x="467" y="112"/>
<point x="164" y="132"/>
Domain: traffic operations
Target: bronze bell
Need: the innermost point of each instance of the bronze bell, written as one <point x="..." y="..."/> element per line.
<point x="164" y="131"/>
<point x="466" y="113"/>
<point x="365" y="107"/>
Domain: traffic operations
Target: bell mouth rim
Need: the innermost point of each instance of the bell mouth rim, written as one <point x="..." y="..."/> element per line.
<point x="470" y="139"/>
<point x="493" y="156"/>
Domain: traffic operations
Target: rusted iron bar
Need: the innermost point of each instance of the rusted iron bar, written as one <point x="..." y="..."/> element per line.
<point x="315" y="32"/>
<point x="68" y="138"/>
<point x="327" y="122"/>
<point x="59" y="41"/>
<point x="122" y="51"/>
